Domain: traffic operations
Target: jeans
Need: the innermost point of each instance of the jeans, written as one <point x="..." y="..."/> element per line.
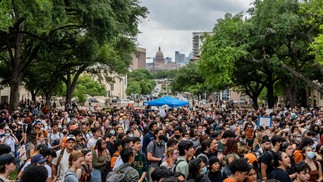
<point x="96" y="175"/>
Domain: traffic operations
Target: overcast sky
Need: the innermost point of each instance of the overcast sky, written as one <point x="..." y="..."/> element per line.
<point x="170" y="23"/>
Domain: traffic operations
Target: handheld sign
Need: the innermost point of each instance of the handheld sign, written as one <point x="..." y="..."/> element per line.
<point x="267" y="121"/>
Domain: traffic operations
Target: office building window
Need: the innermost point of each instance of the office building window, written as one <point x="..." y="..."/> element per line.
<point x="112" y="87"/>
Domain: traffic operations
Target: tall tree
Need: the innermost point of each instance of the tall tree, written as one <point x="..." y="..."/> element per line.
<point x="25" y="25"/>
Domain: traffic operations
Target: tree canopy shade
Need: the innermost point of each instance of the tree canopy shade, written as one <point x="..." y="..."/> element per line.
<point x="77" y="27"/>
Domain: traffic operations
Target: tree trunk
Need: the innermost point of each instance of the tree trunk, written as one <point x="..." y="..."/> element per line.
<point x="14" y="95"/>
<point x="71" y="85"/>
<point x="255" y="102"/>
<point x="291" y="95"/>
<point x="270" y="92"/>
<point x="33" y="95"/>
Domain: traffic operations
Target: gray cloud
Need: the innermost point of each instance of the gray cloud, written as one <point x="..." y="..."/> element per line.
<point x="191" y="14"/>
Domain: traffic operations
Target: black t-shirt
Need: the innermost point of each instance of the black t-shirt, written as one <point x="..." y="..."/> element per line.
<point x="280" y="175"/>
<point x="218" y="176"/>
<point x="267" y="159"/>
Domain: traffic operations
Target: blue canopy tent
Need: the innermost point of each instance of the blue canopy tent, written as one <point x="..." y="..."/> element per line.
<point x="167" y="100"/>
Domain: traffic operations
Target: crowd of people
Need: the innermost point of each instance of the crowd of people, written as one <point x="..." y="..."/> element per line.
<point x="161" y="145"/>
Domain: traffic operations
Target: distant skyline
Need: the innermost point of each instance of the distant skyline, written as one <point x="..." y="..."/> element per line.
<point x="170" y="23"/>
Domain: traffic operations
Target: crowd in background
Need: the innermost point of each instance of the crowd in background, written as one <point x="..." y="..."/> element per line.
<point x="45" y="143"/>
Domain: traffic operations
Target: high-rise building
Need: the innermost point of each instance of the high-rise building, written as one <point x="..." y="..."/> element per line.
<point x="197" y="43"/>
<point x="139" y="59"/>
<point x="179" y="58"/>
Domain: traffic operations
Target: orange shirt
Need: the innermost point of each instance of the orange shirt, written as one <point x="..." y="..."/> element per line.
<point x="228" y="180"/>
<point x="114" y="159"/>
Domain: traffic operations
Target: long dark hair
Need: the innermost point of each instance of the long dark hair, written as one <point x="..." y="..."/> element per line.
<point x="194" y="169"/>
<point x="98" y="146"/>
<point x="231" y="147"/>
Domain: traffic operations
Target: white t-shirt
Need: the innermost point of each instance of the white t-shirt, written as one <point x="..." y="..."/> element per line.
<point x="49" y="170"/>
<point x="62" y="168"/>
<point x="118" y="163"/>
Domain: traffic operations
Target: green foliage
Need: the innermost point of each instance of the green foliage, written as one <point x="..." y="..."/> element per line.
<point x="190" y="79"/>
<point x="87" y="85"/>
<point x="133" y="87"/>
<point x="164" y="74"/>
<point x="82" y="36"/>
<point x="140" y="82"/>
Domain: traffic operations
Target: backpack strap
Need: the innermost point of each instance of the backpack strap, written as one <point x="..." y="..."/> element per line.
<point x="126" y="170"/>
<point x="176" y="163"/>
<point x="59" y="159"/>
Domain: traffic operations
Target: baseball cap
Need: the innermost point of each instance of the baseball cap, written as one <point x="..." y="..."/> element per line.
<point x="70" y="137"/>
<point x="7" y="159"/>
<point x="39" y="158"/>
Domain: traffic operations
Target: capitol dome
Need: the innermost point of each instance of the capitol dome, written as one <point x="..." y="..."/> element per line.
<point x="159" y="54"/>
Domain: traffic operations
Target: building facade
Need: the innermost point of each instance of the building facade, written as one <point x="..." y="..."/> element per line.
<point x="139" y="59"/>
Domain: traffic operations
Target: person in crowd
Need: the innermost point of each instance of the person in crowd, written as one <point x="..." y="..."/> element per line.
<point x="134" y="127"/>
<point x="8" y="165"/>
<point x="316" y="168"/>
<point x="126" y="142"/>
<point x="78" y="137"/>
<point x="101" y="161"/>
<point x="281" y="163"/>
<point x="35" y="173"/>
<point x="171" y="156"/>
<point x="140" y="162"/>
<point x="75" y="162"/>
<point x="215" y="173"/>
<point x="159" y="174"/>
<point x="156" y="148"/>
<point x="251" y="175"/>
<point x="87" y="167"/>
<point x="11" y="140"/>
<point x="186" y="152"/>
<point x="197" y="171"/>
<point x="266" y="165"/>
<point x="118" y="147"/>
<point x="61" y="162"/>
<point x="239" y="169"/>
<point x="96" y="136"/>
<point x="148" y="137"/>
<point x="131" y="174"/>
<point x="298" y="153"/>
<point x="302" y="170"/>
<point x="287" y="147"/>
<point x="265" y="146"/>
<point x="55" y="137"/>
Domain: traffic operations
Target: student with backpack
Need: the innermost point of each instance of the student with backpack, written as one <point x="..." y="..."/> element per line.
<point x="125" y="172"/>
<point x="186" y="151"/>
<point x="140" y="163"/>
<point x="60" y="163"/>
